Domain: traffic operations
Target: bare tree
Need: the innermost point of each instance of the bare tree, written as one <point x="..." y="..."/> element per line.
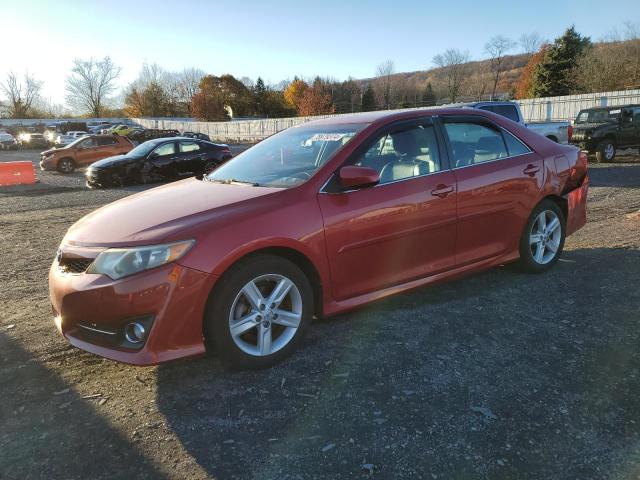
<point x="21" y="94"/>
<point x="453" y="62"/>
<point x="188" y="83"/>
<point x="384" y="74"/>
<point x="477" y="81"/>
<point x="530" y="43"/>
<point x="497" y="47"/>
<point x="90" y="83"/>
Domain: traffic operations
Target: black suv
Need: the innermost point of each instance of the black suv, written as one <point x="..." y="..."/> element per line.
<point x="601" y="130"/>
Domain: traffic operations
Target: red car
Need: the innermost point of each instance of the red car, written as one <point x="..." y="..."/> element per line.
<point x="316" y="220"/>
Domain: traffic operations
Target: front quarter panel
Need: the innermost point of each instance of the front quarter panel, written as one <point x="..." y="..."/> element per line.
<point x="286" y="219"/>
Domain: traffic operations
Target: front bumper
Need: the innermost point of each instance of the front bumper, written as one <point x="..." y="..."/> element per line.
<point x="47" y="164"/>
<point x="91" y="310"/>
<point x="584" y="144"/>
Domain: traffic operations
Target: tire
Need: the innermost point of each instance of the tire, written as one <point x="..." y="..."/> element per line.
<point x="66" y="165"/>
<point x="209" y="165"/>
<point x="539" y="256"/>
<point x="228" y="304"/>
<point x="606" y="151"/>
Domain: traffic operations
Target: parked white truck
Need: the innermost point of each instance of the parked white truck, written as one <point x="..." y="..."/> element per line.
<point x="556" y="131"/>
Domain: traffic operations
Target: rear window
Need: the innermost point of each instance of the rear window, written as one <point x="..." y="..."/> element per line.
<point x="507" y="111"/>
<point x="102" y="141"/>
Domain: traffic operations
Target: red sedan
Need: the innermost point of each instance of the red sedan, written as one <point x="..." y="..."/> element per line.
<point x="316" y="220"/>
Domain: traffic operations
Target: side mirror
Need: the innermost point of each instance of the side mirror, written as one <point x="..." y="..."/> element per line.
<point x="358" y="177"/>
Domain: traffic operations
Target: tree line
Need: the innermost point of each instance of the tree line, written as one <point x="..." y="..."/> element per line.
<point x="570" y="64"/>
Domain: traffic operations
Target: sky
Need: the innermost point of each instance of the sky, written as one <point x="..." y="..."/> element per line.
<point x="276" y="39"/>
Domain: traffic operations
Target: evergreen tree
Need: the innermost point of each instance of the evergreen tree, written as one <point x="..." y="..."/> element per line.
<point x="260" y="92"/>
<point x="368" y="99"/>
<point x="428" y="97"/>
<point x="554" y="75"/>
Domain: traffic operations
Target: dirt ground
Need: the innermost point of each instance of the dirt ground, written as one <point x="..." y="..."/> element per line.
<point x="500" y="375"/>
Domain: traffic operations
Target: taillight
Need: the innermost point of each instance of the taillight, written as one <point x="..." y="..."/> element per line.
<point x="570" y="132"/>
<point x="226" y="150"/>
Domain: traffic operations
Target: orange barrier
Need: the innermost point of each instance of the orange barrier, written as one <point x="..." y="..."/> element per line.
<point x="17" y="173"/>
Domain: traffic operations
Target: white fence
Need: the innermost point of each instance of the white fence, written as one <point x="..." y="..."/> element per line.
<point x="534" y="110"/>
<point x="567" y="107"/>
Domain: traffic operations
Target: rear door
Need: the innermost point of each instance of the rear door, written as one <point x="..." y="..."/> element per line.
<point x="499" y="181"/>
<point x="87" y="151"/>
<point x="403" y="228"/>
<point x="191" y="157"/>
<point x="108" y="146"/>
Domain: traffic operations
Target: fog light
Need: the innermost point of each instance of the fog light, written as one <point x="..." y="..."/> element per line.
<point x="134" y="332"/>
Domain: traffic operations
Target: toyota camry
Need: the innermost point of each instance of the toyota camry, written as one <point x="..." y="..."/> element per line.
<point x="316" y="220"/>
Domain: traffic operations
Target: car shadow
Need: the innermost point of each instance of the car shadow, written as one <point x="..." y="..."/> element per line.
<point x="500" y="374"/>
<point x="67" y="438"/>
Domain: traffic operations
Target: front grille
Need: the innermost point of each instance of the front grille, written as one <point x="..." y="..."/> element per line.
<point x="75" y="265"/>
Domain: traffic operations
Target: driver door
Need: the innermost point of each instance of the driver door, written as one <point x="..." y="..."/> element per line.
<point x="403" y="228"/>
<point x="87" y="151"/>
<point x="164" y="160"/>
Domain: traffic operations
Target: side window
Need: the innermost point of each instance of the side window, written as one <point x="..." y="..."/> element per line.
<point x="514" y="146"/>
<point x="88" y="143"/>
<point x="636" y="116"/>
<point x="104" y="141"/>
<point x="189" y="147"/>
<point x="407" y="153"/>
<point x="474" y="143"/>
<point x="166" y="149"/>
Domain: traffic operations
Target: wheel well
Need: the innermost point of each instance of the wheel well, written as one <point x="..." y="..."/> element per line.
<point x="553" y="138"/>
<point x="561" y="202"/>
<point x="67" y="158"/>
<point x="302" y="262"/>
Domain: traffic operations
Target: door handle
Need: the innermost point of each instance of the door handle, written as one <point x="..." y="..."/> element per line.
<point x="531" y="170"/>
<point x="442" y="190"/>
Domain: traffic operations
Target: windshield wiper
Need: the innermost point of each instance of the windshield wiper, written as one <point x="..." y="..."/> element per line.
<point x="233" y="181"/>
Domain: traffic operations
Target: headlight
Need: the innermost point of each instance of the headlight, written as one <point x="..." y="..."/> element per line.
<point x="121" y="262"/>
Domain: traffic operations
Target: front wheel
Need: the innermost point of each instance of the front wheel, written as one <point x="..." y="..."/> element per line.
<point x="543" y="238"/>
<point x="259" y="312"/>
<point x="606" y="151"/>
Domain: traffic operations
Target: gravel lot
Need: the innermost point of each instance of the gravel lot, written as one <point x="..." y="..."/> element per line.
<point x="500" y="375"/>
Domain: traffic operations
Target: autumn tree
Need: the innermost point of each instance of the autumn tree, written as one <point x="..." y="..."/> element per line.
<point x="21" y="94"/>
<point x="90" y="84"/>
<point x="207" y="103"/>
<point x="524" y="85"/>
<point x="294" y="92"/>
<point x="315" y="100"/>
<point x="453" y="63"/>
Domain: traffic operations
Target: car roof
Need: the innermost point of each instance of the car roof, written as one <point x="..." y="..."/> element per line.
<point x="612" y="107"/>
<point x="383" y="117"/>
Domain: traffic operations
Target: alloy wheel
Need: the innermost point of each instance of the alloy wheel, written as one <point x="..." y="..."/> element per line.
<point x="66" y="166"/>
<point x="545" y="237"/>
<point x="265" y="314"/>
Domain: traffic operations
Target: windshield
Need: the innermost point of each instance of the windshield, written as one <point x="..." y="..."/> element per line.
<point x="598" y="115"/>
<point x="143" y="149"/>
<point x="288" y="158"/>
<point x="74" y="143"/>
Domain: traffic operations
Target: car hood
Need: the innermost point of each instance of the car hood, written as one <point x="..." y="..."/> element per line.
<point x="162" y="214"/>
<point x="113" y="161"/>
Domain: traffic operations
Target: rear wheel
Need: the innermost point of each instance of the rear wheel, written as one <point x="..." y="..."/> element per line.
<point x="543" y="238"/>
<point x="66" y="165"/>
<point x="606" y="151"/>
<point x="259" y="312"/>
